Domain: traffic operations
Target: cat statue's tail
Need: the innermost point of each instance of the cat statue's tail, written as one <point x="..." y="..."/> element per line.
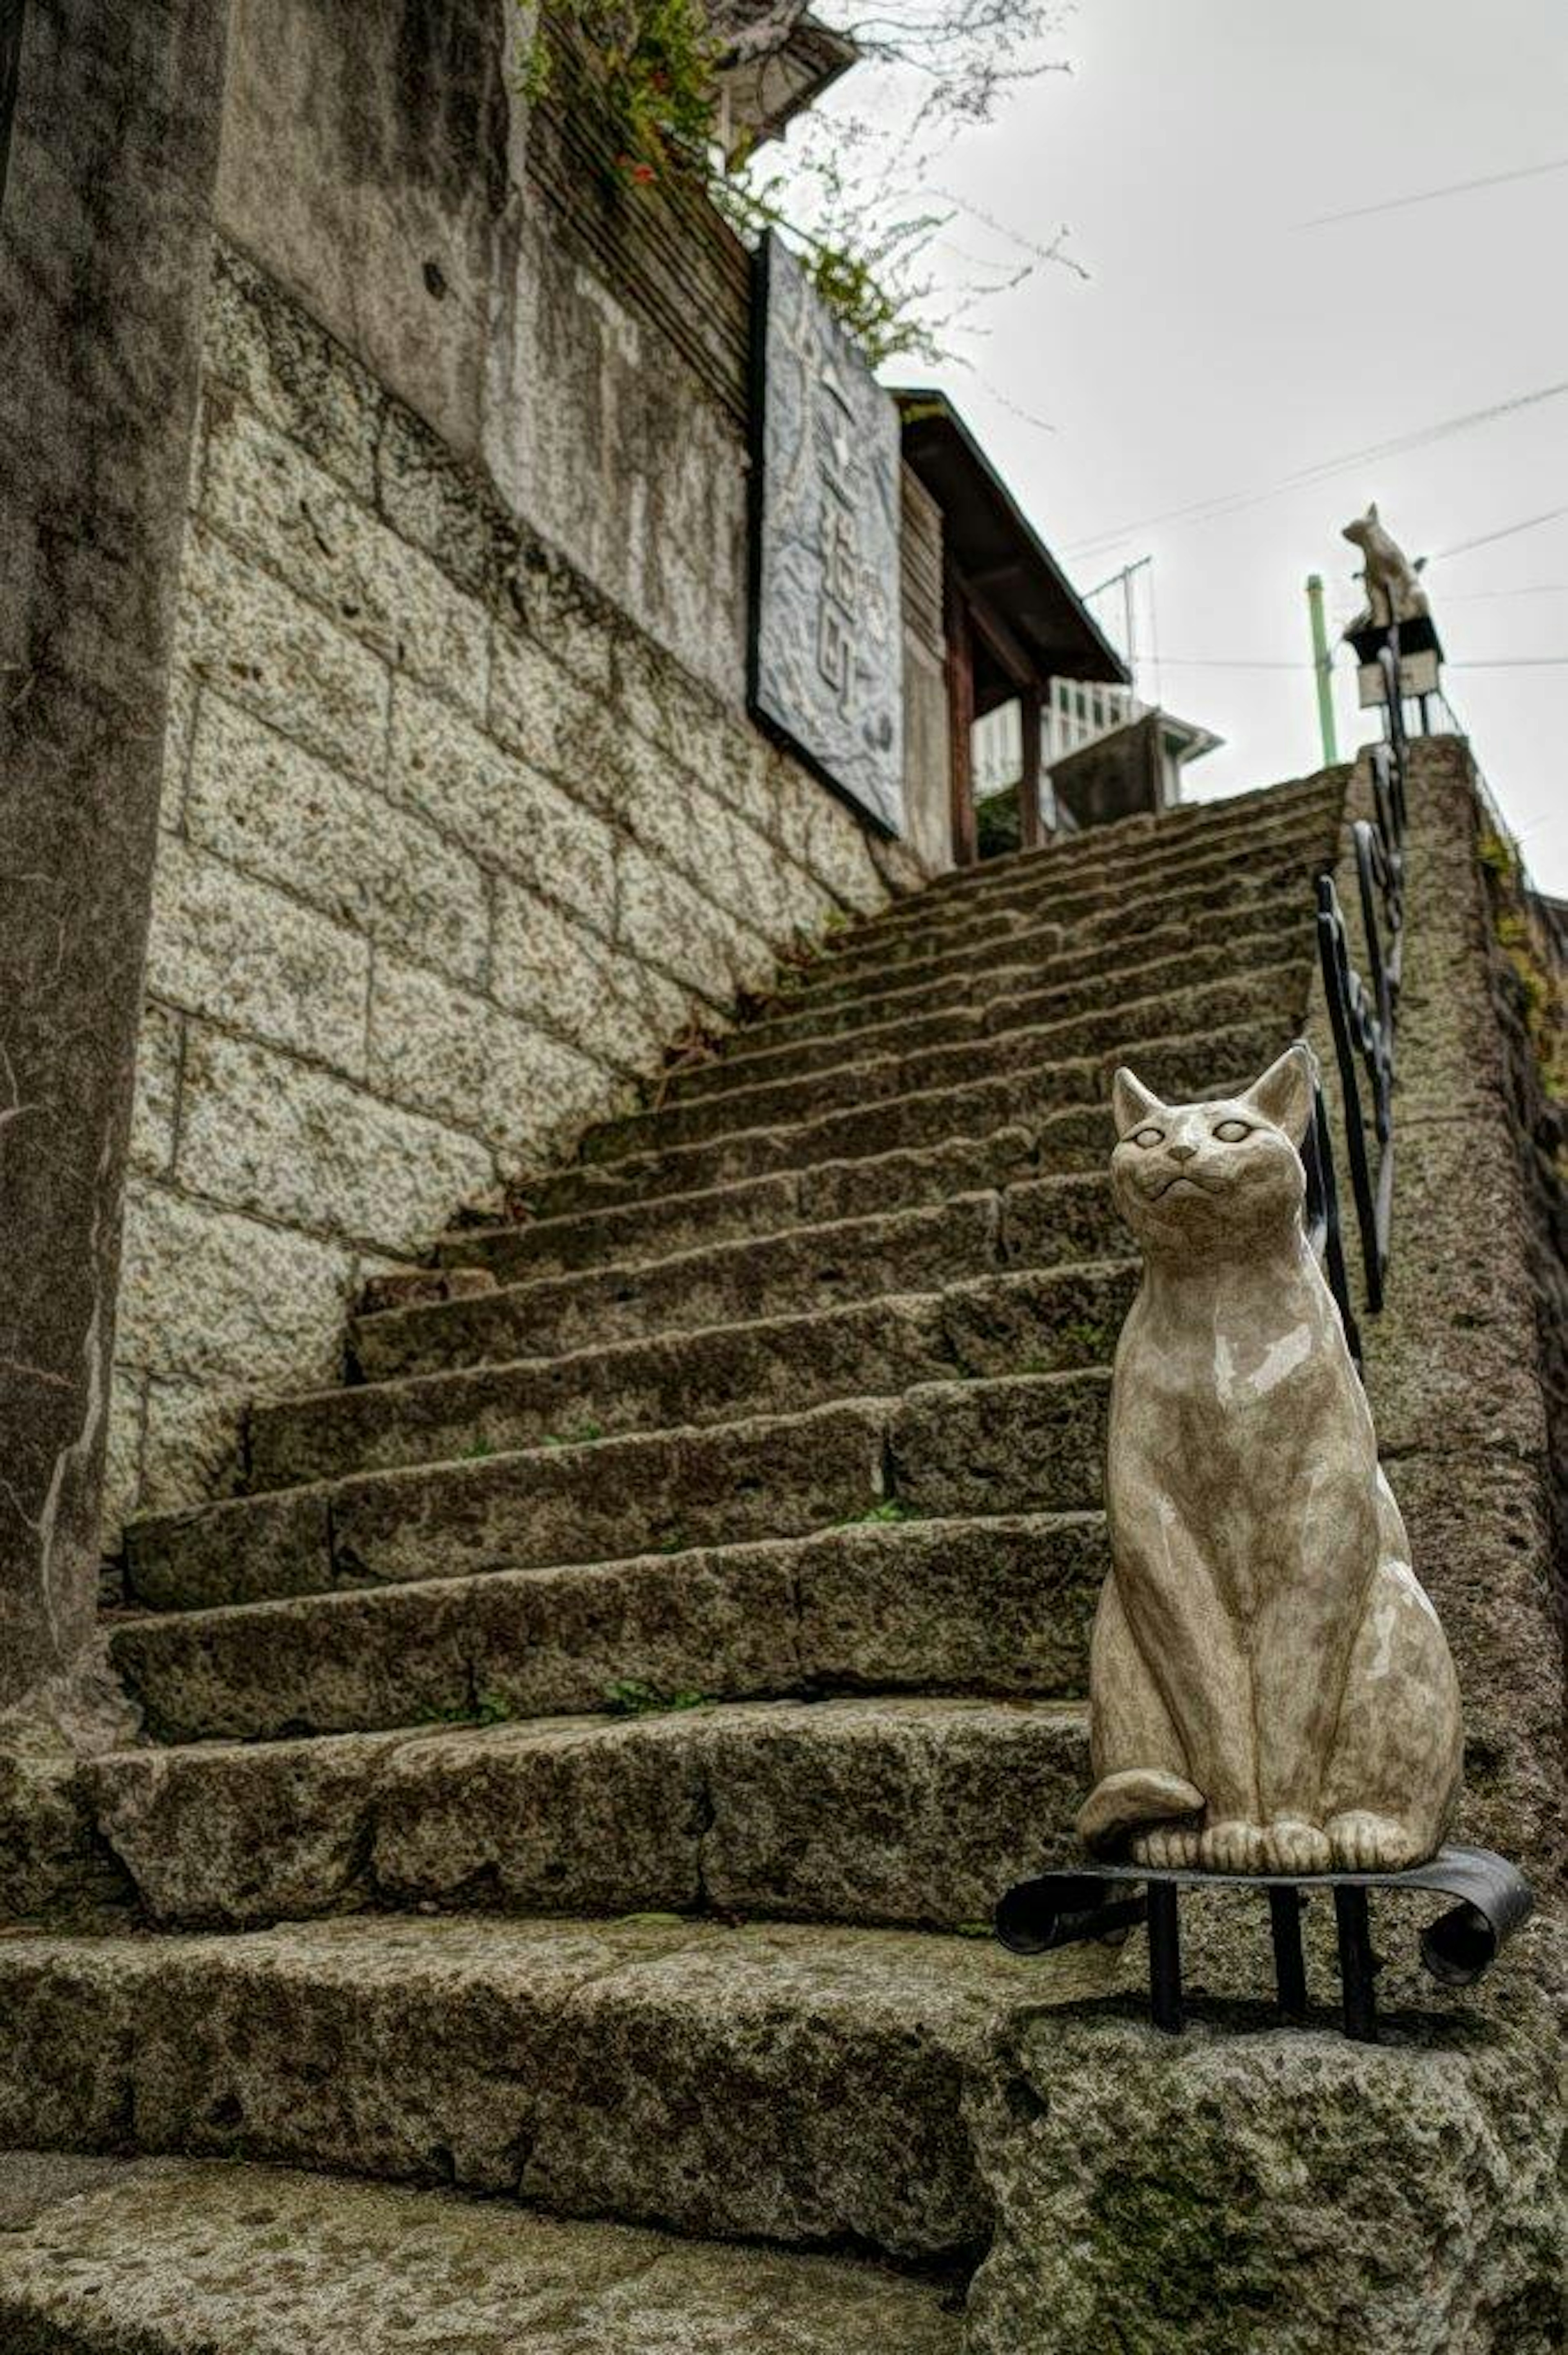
<point x="1124" y="1802"/>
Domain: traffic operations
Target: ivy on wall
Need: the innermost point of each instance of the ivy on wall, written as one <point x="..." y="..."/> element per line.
<point x="656" y="65"/>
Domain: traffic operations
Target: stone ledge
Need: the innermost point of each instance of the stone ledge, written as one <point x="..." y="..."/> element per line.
<point x="1277" y="2192"/>
<point x="159" y="2258"/>
<point x="52" y="1861"/>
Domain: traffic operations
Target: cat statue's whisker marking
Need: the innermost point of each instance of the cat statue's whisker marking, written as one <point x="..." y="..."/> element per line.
<point x="1270" y="1689"/>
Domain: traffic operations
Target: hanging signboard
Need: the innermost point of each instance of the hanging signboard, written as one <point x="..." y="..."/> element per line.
<point x="826" y="657"/>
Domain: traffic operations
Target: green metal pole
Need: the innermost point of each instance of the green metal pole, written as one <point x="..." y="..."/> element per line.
<point x="1323" y="664"/>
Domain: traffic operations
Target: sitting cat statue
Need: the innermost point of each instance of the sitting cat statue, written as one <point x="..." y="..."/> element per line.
<point x="1271" y="1691"/>
<point x="1393" y="588"/>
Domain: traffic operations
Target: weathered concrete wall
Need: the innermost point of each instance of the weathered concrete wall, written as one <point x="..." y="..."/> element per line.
<point x="377" y="163"/>
<point x="450" y="851"/>
<point x="102" y="266"/>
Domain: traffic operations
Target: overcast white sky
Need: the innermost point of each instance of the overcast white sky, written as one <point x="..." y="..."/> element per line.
<point x="1219" y="348"/>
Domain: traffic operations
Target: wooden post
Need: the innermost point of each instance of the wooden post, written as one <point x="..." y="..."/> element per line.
<point x="960" y="726"/>
<point x="1030" y="832"/>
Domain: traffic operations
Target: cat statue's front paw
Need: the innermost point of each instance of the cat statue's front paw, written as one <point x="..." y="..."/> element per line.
<point x="1232" y="1845"/>
<point x="1362" y="1842"/>
<point x="1168" y="1847"/>
<point x="1290" y="1844"/>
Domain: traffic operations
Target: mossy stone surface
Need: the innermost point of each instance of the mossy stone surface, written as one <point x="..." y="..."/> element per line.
<point x="1254" y="2190"/>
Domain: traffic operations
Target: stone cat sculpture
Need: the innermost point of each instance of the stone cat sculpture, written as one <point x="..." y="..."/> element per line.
<point x="1393" y="590"/>
<point x="1271" y="1691"/>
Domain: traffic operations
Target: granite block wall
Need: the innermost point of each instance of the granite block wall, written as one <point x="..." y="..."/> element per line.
<point x="451" y="850"/>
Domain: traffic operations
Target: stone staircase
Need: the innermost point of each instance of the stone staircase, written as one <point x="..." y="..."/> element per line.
<point x="581" y="1767"/>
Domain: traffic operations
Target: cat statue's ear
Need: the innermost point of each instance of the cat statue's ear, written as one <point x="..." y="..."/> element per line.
<point x="1131" y="1102"/>
<point x="1284" y="1095"/>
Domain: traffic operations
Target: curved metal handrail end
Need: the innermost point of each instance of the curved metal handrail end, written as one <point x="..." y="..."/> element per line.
<point x="1061" y="1909"/>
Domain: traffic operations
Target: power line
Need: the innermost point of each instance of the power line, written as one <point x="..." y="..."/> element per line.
<point x="1430" y="196"/>
<point x="1507" y="531"/>
<point x="1233" y="502"/>
<point x="1244" y="662"/>
<point x="1479" y="596"/>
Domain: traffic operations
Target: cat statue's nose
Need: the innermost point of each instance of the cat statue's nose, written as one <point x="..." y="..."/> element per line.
<point x="1182" y="1152"/>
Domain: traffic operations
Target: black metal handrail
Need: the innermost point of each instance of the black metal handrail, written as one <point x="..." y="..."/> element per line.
<point x="1323" y="1227"/>
<point x="1362" y="1021"/>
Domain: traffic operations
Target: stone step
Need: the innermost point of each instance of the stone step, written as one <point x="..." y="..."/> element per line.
<point x="1224" y="879"/>
<point x="785" y="2083"/>
<point x="1069" y="873"/>
<point x="1039" y="886"/>
<point x="179" y="2252"/>
<point x="1044" y="957"/>
<point x="1200" y="916"/>
<point x="1038" y="1223"/>
<point x="816" y="1013"/>
<point x="1179" y="1066"/>
<point x="1044" y="1320"/>
<point x="844" y="1169"/>
<point x="912" y="1810"/>
<point x="811" y="1082"/>
<point x="1072" y="1209"/>
<point x="999" y="1607"/>
<point x="1024" y="1444"/>
<point x="977" y="1008"/>
<point x="1130" y="839"/>
<point x="1060" y="1074"/>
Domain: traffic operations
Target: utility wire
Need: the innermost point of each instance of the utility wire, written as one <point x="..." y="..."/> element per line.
<point x="1507" y="531"/>
<point x="1430" y="196"/>
<point x="1492" y="662"/>
<point x="1233" y="502"/>
<point x="1478" y="596"/>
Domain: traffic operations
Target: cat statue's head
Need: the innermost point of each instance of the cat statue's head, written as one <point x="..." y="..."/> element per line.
<point x="1218" y="1177"/>
<point x="1360" y="532"/>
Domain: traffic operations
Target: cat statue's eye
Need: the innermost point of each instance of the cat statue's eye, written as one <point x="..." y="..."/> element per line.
<point x="1147" y="1137"/>
<point x="1231" y="1132"/>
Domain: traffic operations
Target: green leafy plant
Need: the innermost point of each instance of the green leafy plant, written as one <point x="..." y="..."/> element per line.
<point x="850" y="194"/>
<point x="484" y="1709"/>
<point x="891" y="1509"/>
<point x="657" y="67"/>
<point x="1541" y="995"/>
<point x="1087" y="1337"/>
<point x="629" y="1696"/>
<point x="1497" y="856"/>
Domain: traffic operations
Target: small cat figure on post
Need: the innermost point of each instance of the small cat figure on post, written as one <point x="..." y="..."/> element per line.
<point x="1393" y="587"/>
<point x="1271" y="1689"/>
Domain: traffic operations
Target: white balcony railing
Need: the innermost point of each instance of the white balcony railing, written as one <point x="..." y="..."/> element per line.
<point x="1079" y="711"/>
